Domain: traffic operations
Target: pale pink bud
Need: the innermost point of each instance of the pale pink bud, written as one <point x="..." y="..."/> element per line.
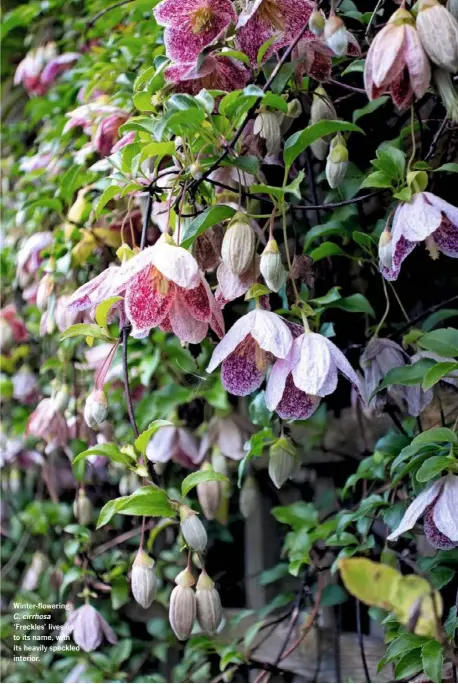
<point x="192" y="529"/>
<point x="208" y="604"/>
<point x="82" y="508"/>
<point x="438" y="31"/>
<point x="335" y="35"/>
<point x="144" y="580"/>
<point x="238" y="246"/>
<point x="209" y="494"/>
<point x="95" y="408"/>
<point x="271" y="266"/>
<point x="337" y="162"/>
<point x="249" y="497"/>
<point x="182" y="609"/>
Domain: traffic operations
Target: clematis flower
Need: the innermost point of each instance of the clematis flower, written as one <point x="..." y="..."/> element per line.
<point x="88" y="628"/>
<point x="215" y="73"/>
<point x="298" y="382"/>
<point x="265" y="19"/>
<point x="231" y="286"/>
<point x="29" y="257"/>
<point x="99" y="120"/>
<point x="163" y="286"/>
<point x="426" y="217"/>
<point x="174" y="443"/>
<point x="229" y="434"/>
<point x="47" y="423"/>
<point x="191" y="25"/>
<point x="314" y="57"/>
<point x="252" y="343"/>
<point x="12" y="328"/>
<point x="437" y="504"/>
<point x="41" y="67"/>
<point x="26" y="389"/>
<point x="396" y="62"/>
<point x="106" y="134"/>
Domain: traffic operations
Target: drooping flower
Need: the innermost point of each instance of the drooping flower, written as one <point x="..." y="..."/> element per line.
<point x="40" y="68"/>
<point x="314" y="57"/>
<point x="396" y="62"/>
<point x="298" y="382"/>
<point x="437" y="504"/>
<point x="426" y="217"/>
<point x="88" y="628"/>
<point x="99" y="120"/>
<point x="162" y="286"/>
<point x="106" y="134"/>
<point x="171" y="443"/>
<point x="252" y="343"/>
<point x="438" y="31"/>
<point x="214" y="73"/>
<point x="265" y="19"/>
<point x="25" y="386"/>
<point x="191" y="25"/>
<point x="12" y="328"/>
<point x="229" y="434"/>
<point x="29" y="258"/>
<point x="231" y="286"/>
<point x="47" y="423"/>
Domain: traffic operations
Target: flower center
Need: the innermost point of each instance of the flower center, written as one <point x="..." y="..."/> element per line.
<point x="432" y="247"/>
<point x="250" y="348"/>
<point x="271" y="14"/>
<point x="159" y="282"/>
<point x="202" y="19"/>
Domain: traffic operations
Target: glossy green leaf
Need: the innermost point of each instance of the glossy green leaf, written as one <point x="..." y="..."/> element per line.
<point x="144" y="438"/>
<point x="204" y="221"/>
<point x="110" y="451"/>
<point x="438" y="372"/>
<point x="298" y="142"/>
<point x="443" y="341"/>
<point x="199" y="476"/>
<point x="146" y="501"/>
<point x="432" y="467"/>
<point x="432" y="655"/>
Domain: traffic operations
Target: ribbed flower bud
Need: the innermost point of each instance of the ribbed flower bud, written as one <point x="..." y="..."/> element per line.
<point x="271" y="267"/>
<point x="144" y="580"/>
<point x="267" y="126"/>
<point x="282" y="461"/>
<point x="249" y="497"/>
<point x="238" y="246"/>
<point x="209" y="494"/>
<point x="337" y="162"/>
<point x="192" y="529"/>
<point x="317" y="21"/>
<point x="438" y="31"/>
<point x="96" y="408"/>
<point x="322" y="109"/>
<point x="336" y="36"/>
<point x="448" y="93"/>
<point x="44" y="291"/>
<point x="208" y="603"/>
<point x="182" y="610"/>
<point x="82" y="508"/>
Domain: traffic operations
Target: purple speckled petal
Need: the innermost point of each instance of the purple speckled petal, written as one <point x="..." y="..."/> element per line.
<point x="343" y="365"/>
<point x="184" y="325"/>
<point x="240" y="373"/>
<point x="446" y="238"/>
<point x="417" y="509"/>
<point x="239" y="331"/>
<point x="401" y="251"/>
<point x="434" y="536"/>
<point x="295" y="404"/>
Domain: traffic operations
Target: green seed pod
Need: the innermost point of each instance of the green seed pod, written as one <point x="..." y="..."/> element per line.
<point x="283" y="461"/>
<point x="192" y="529"/>
<point x="182" y="609"/>
<point x="144" y="580"/>
<point x="208" y="604"/>
<point x="209" y="494"/>
<point x="238" y="246"/>
<point x="82" y="508"/>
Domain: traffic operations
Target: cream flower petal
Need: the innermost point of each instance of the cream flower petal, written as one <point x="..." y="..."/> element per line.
<point x="416" y="509"/>
<point x="176" y="264"/>
<point x="416" y="220"/>
<point x="445" y="511"/>
<point x="231" y="340"/>
<point x="271" y="333"/>
<point x="315" y="365"/>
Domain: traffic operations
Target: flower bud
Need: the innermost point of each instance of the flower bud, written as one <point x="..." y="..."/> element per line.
<point x="15" y="480"/>
<point x="249" y="497"/>
<point x="336" y="36"/>
<point x="337" y="162"/>
<point x="385" y="250"/>
<point x="144" y="580"/>
<point x="44" y="291"/>
<point x="128" y="484"/>
<point x="209" y="494"/>
<point x="208" y="604"/>
<point x="82" y="508"/>
<point x="76" y="211"/>
<point x="96" y="408"/>
<point x="196" y="171"/>
<point x="438" y="31"/>
<point x="317" y="22"/>
<point x="238" y="246"/>
<point x="6" y="336"/>
<point x="294" y="109"/>
<point x="271" y="267"/>
<point x="267" y="126"/>
<point x="182" y="610"/>
<point x="282" y="461"/>
<point x="448" y="93"/>
<point x="219" y="462"/>
<point x="61" y="398"/>
<point x="322" y="109"/>
<point x="192" y="529"/>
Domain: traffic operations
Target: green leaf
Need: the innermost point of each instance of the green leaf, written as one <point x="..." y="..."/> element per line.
<point x="144" y="438"/>
<point x="199" y="476"/>
<point x="103" y="309"/>
<point x="298" y="515"/>
<point x="264" y="47"/>
<point x="443" y="341"/>
<point x="355" y="65"/>
<point x="146" y="501"/>
<point x="409" y="665"/>
<point x="436" y="317"/>
<point x="293" y="188"/>
<point x="87" y="329"/>
<point x="432" y="467"/>
<point x="325" y="250"/>
<point x="369" y="108"/>
<point x="205" y="220"/>
<point x="378" y="179"/>
<point x="451" y="167"/>
<point x="110" y="451"/>
<point x="157" y="149"/>
<point x="107" y="195"/>
<point x="119" y="592"/>
<point x="299" y="141"/>
<point x="432" y="656"/>
<point x="437" y="372"/>
<point x="439" y="434"/>
<point x="406" y="375"/>
<point x="356" y="303"/>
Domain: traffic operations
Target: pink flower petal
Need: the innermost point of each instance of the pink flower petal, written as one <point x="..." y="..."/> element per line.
<point x="197" y="302"/>
<point x="271" y="333"/>
<point x="184" y="325"/>
<point x="446" y="238"/>
<point x="231" y="340"/>
<point x="417" y="219"/>
<point x="161" y="446"/>
<point x="433" y="535"/>
<point x="277" y="381"/>
<point x="343" y="365"/>
<point x="417" y="62"/>
<point x="386" y="55"/>
<point x="402" y="250"/>
<point x="449" y="210"/>
<point x="240" y="374"/>
<point x="146" y="307"/>
<point x="416" y="509"/>
<point x="187" y="452"/>
<point x="230" y="286"/>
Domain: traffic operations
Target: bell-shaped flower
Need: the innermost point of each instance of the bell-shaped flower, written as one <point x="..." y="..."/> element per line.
<point x="214" y="73"/>
<point x="88" y="628"/>
<point x="106" y="134"/>
<point x="229" y="434"/>
<point x="41" y="66"/>
<point x="314" y="58"/>
<point x="437" y="504"/>
<point x="29" y="258"/>
<point x="426" y="217"/>
<point x="172" y="443"/>
<point x="191" y="25"/>
<point x="396" y="62"/>
<point x="252" y="343"/>
<point x="262" y="20"/>
<point x="232" y="286"/>
<point x="26" y="389"/>
<point x="163" y="286"/>
<point x="297" y="383"/>
<point x="48" y="423"/>
<point x="12" y="328"/>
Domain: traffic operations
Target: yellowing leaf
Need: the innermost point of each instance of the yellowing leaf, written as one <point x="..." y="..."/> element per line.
<point x="372" y="583"/>
<point x="414" y="595"/>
